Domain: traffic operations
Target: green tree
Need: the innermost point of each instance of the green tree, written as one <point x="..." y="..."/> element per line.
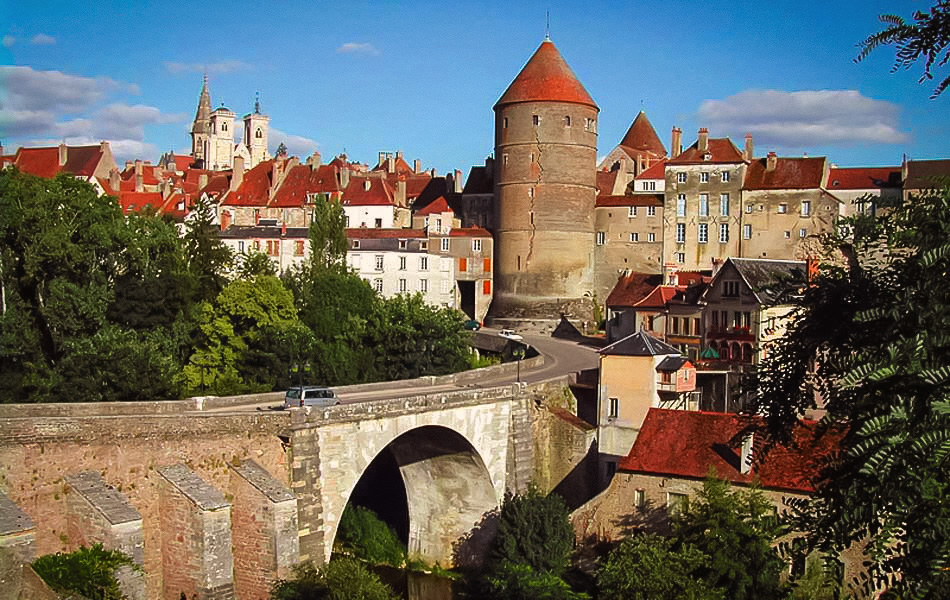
<point x="533" y="530"/>
<point x="736" y="529"/>
<point x="255" y="264"/>
<point x="521" y="582"/>
<point x="647" y="567"/>
<point x="369" y="538"/>
<point x="340" y="579"/>
<point x="928" y="38"/>
<point x="209" y="260"/>
<point x="327" y="237"/>
<point x="876" y="327"/>
<point x="89" y="572"/>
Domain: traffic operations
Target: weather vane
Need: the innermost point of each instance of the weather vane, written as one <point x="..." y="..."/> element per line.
<point x="547" y="28"/>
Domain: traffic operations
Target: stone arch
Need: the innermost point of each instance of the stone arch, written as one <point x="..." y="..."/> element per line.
<point x="447" y="485"/>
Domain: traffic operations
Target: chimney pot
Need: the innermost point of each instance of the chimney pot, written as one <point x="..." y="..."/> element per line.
<point x="390" y="163"/>
<point x="237" y="173"/>
<point x="458" y="181"/>
<point x="416" y="166"/>
<point x="676" y="147"/>
<point x="747" y="154"/>
<point x="398" y="154"/>
<point x="382" y="159"/>
<point x="703" y="139"/>
<point x="62" y="154"/>
<point x="771" y="161"/>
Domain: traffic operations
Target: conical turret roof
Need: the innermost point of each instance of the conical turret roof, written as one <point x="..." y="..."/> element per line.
<point x="546" y="78"/>
<point x="642" y="136"/>
<point x="204" y="109"/>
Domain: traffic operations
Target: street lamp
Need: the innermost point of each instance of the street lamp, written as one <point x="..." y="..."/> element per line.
<point x="518" y="353"/>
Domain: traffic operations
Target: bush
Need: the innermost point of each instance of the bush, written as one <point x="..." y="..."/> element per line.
<point x="533" y="530"/>
<point x="340" y="579"/>
<point x="369" y="538"/>
<point x="89" y="572"/>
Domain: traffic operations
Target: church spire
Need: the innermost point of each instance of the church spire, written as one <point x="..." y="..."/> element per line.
<point x="202" y="116"/>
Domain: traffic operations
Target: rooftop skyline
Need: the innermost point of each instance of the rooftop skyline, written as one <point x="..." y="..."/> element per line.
<point x="422" y="77"/>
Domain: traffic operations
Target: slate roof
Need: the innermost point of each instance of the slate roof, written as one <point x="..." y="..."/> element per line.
<point x="671" y="364"/>
<point x="546" y="78"/>
<point x="640" y="343"/>
<point x="721" y="150"/>
<point x="681" y="443"/>
<point x="632" y="288"/>
<point x="864" y="178"/>
<point x="788" y="174"/>
<point x="761" y="275"/>
<point x="478" y="182"/>
<point x="642" y="137"/>
<point x="920" y="173"/>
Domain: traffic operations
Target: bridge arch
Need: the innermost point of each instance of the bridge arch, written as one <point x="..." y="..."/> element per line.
<point x="446" y="484"/>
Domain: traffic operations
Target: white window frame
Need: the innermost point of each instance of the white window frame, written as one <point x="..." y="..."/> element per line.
<point x="403" y="286"/>
<point x="632" y="211"/>
<point x="724" y="204"/>
<point x="613" y="408"/>
<point x="378" y="285"/>
<point x="681" y="233"/>
<point x="402" y="263"/>
<point x="703" y="233"/>
<point x="444" y="244"/>
<point x="747" y="232"/>
<point x="724" y="176"/>
<point x="651" y="237"/>
<point x="806" y="208"/>
<point x="634" y="236"/>
<point x="704" y="205"/>
<point x="782" y="208"/>
<point x="601" y="238"/>
<point x="723" y="233"/>
<point x="681" y="177"/>
<point x="651" y="211"/>
<point x="423" y="285"/>
<point x="681" y="205"/>
<point x="476" y="245"/>
<point x="380" y="262"/>
<point x="704" y="177"/>
<point x="423" y="263"/>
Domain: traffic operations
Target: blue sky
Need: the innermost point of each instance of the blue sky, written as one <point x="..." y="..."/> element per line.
<point x="422" y="77"/>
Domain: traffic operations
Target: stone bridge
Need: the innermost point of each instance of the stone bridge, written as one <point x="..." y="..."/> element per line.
<point x="217" y="501"/>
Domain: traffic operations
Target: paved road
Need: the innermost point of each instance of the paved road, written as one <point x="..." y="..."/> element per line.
<point x="561" y="357"/>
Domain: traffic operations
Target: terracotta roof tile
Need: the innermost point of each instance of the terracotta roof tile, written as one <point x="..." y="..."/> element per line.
<point x="659" y="297"/>
<point x="469" y="232"/>
<point x="642" y="137"/>
<point x="630" y="200"/>
<point x="721" y="150"/>
<point x="254" y="189"/>
<point x="437" y="206"/>
<point x="864" y="178"/>
<point x="367" y="233"/>
<point x="301" y="181"/>
<point x="379" y="192"/>
<point x="632" y="288"/>
<point x="788" y="174"/>
<point x="606" y="180"/>
<point x="44" y="162"/>
<point x="546" y="78"/>
<point x="656" y="171"/>
<point x="138" y="201"/>
<point x="686" y="444"/>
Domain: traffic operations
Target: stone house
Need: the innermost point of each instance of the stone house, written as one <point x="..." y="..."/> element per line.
<point x="631" y="288"/>
<point x="856" y="187"/>
<point x="628" y="236"/>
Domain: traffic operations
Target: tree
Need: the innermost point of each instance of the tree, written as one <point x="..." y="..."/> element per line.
<point x="340" y="579"/>
<point x="736" y="530"/>
<point x="209" y="260"/>
<point x="89" y="572"/>
<point x="869" y="337"/>
<point x="281" y="150"/>
<point x="521" y="582"/>
<point x="369" y="538"/>
<point x="647" y="567"/>
<point x="928" y="39"/>
<point x="327" y="237"/>
<point x="254" y="264"/>
<point x="533" y="530"/>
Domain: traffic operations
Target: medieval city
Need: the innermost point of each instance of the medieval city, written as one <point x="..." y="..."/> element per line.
<point x="669" y="365"/>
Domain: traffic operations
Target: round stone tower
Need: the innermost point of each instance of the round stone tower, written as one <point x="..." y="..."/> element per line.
<point x="545" y="170"/>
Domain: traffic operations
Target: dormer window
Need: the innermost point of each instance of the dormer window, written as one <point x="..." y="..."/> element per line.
<point x="366" y="185"/>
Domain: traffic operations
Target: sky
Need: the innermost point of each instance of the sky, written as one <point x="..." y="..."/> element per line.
<point x="422" y="77"/>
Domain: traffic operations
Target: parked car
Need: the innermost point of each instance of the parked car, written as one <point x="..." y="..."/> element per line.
<point x="310" y="395"/>
<point x="510" y="334"/>
<point x="472" y="325"/>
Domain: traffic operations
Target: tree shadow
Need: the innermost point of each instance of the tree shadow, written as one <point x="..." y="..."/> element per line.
<point x="469" y="551"/>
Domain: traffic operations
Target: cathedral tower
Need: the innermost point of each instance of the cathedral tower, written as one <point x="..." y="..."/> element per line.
<point x="255" y="134"/>
<point x="201" y="128"/>
<point x="545" y="190"/>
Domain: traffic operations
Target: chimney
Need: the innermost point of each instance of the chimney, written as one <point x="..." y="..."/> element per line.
<point x="237" y="173"/>
<point x="115" y="181"/>
<point x="490" y="168"/>
<point x="166" y="188"/>
<point x="747" y="155"/>
<point x="398" y="154"/>
<point x="670" y="276"/>
<point x="432" y="172"/>
<point x="315" y="161"/>
<point x="139" y="177"/>
<point x="390" y="164"/>
<point x="676" y="146"/>
<point x="103" y="147"/>
<point x="457" y="178"/>
<point x="202" y="181"/>
<point x="416" y="166"/>
<point x="716" y="265"/>
<point x="745" y="454"/>
<point x="382" y="160"/>
<point x="128" y="164"/>
<point x="344" y="177"/>
<point x="770" y="161"/>
<point x="400" y="199"/>
<point x="703" y="140"/>
<point x="62" y="154"/>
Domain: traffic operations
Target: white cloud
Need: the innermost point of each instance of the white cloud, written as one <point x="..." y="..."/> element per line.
<point x="28" y="89"/>
<point x="41" y="39"/>
<point x="226" y="66"/>
<point x="119" y="121"/>
<point x="358" y="48"/>
<point x="8" y="41"/>
<point x="804" y="118"/>
<point x="296" y="145"/>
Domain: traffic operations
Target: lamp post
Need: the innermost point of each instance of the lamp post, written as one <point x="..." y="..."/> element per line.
<point x="518" y="353"/>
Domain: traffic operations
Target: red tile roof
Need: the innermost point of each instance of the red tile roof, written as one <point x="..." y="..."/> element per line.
<point x="632" y="288"/>
<point x="438" y="206"/>
<point x="44" y="162"/>
<point x="680" y="443"/>
<point x="630" y="200"/>
<point x="469" y="232"/>
<point x="149" y="175"/>
<point x="605" y="181"/>
<point x="721" y="150"/>
<point x="138" y="201"/>
<point x="366" y="233"/>
<point x="655" y="171"/>
<point x="254" y="189"/>
<point x="379" y="193"/>
<point x="788" y="174"/>
<point x="546" y="78"/>
<point x="863" y="178"/>
<point x="642" y="137"/>
<point x="659" y="297"/>
<point x="399" y="166"/>
<point x="301" y="181"/>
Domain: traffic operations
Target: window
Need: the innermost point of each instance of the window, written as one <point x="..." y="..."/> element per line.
<point x="504" y="160"/>
<point x="601" y="238"/>
<point x="378" y="285"/>
<point x="463" y="264"/>
<point x="681" y="205"/>
<point x="651" y="211"/>
<point x="704" y="177"/>
<point x="567" y="120"/>
<point x="681" y="257"/>
<point x="258" y="134"/>
<point x="423" y="263"/>
<point x="802" y="233"/>
<point x="486" y="287"/>
<point x="724" y="205"/>
<point x="681" y="177"/>
<point x="681" y="233"/>
<point x="639" y="499"/>
<point x="423" y="285"/>
<point x="298" y="247"/>
<point x="445" y="286"/>
<point x="444" y="247"/>
<point x="402" y="263"/>
<point x="378" y="223"/>
<point x="703" y="233"/>
<point x="788" y="235"/>
<point x="632" y="211"/>
<point x="403" y="244"/>
<point x="379" y="262"/>
<point x="648" y="186"/>
<point x="535" y="120"/>
<point x="273" y="247"/>
<point x="806" y="208"/>
<point x="476" y="245"/>
<point x="241" y="246"/>
<point x="704" y="205"/>
<point x="651" y="237"/>
<point x="748" y="209"/>
<point x="675" y="503"/>
<point x="725" y="176"/>
<point x="531" y="192"/>
<point x="224" y="126"/>
<point x="782" y="208"/>
<point x="634" y="236"/>
<point x="613" y="408"/>
<point x="747" y="232"/>
<point x="730" y="289"/>
<point x="590" y="125"/>
<point x="504" y="123"/>
<point x="346" y="221"/>
<point x="356" y="244"/>
<point x="486" y="265"/>
<point x="424" y="245"/>
<point x="723" y="233"/>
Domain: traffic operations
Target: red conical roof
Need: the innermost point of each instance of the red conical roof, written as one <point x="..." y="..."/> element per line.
<point x="642" y="136"/>
<point x="546" y="78"/>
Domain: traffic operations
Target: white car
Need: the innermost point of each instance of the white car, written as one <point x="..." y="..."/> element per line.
<point x="510" y="334"/>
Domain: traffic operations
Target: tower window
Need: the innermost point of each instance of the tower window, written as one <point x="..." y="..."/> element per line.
<point x="567" y="120"/>
<point x="224" y="126"/>
<point x="258" y="134"/>
<point x="535" y="120"/>
<point x="504" y="123"/>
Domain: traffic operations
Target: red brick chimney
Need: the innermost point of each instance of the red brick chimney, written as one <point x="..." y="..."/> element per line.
<point x="676" y="146"/>
<point x="747" y="154"/>
<point x="703" y="143"/>
<point x="770" y="161"/>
